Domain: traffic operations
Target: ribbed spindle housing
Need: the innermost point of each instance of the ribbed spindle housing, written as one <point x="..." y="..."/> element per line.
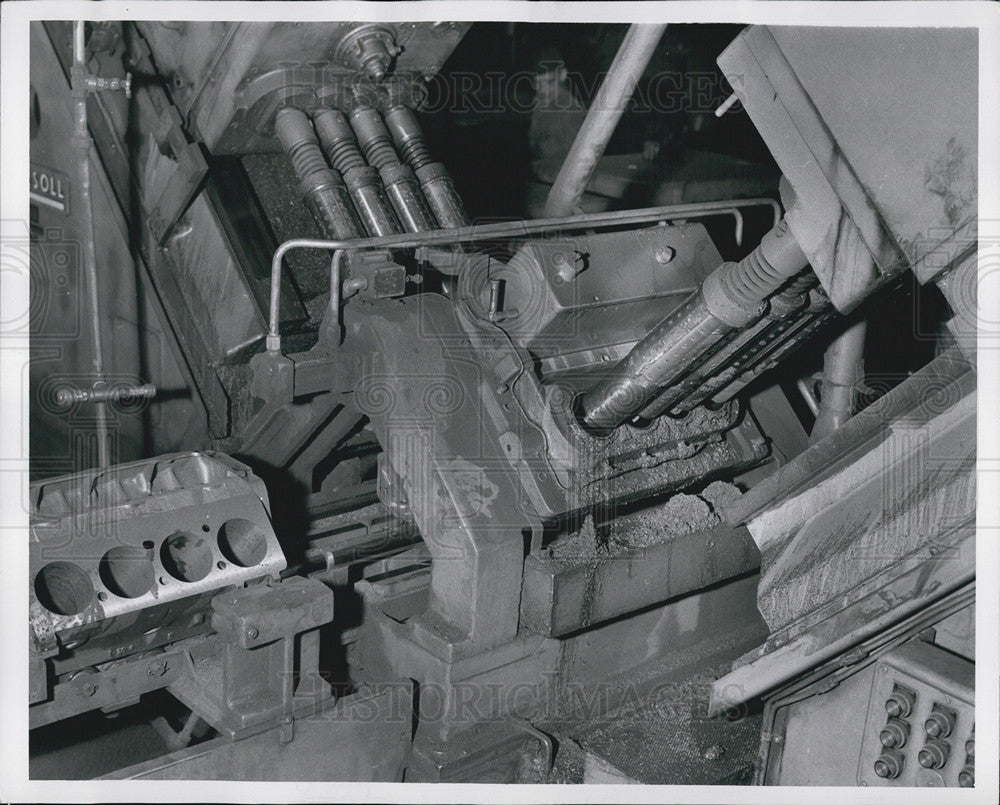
<point x="373" y="137"/>
<point x="337" y="138"/>
<point x="299" y="140"/>
<point x="766" y="268"/>
<point x="408" y="136"/>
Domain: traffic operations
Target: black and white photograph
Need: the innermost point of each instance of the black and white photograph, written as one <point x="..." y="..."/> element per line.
<point x="536" y="399"/>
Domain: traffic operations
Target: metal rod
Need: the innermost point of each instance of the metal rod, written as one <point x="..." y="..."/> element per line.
<point x="807" y="396"/>
<point x="335" y="274"/>
<point x="510" y="230"/>
<point x="630" y="63"/>
<point x="726" y="105"/>
<point x="842" y="367"/>
<point x="84" y="144"/>
<point x="67" y="395"/>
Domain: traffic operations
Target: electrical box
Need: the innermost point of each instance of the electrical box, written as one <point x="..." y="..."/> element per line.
<point x="920" y="729"/>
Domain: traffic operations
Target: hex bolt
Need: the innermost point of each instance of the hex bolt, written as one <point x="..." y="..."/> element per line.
<point x="157" y="668"/>
<point x="88" y="688"/>
<point x="252" y="634"/>
<point x="567" y="268"/>
<point x="664" y="255"/>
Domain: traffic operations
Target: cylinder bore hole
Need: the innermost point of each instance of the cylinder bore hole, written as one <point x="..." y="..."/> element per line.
<point x="186" y="556"/>
<point x="127" y="572"/>
<point x="242" y="542"/>
<point x="64" y="588"/>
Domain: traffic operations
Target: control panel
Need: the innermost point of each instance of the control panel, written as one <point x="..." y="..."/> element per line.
<point x="920" y="728"/>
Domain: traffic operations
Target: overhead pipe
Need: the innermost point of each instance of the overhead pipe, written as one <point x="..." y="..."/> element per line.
<point x="616" y="90"/>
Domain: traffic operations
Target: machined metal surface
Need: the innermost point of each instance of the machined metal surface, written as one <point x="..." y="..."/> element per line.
<point x="115" y="550"/>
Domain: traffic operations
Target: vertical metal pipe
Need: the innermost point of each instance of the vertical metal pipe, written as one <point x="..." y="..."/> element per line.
<point x="842" y="368"/>
<point x="633" y="56"/>
<point x="84" y="145"/>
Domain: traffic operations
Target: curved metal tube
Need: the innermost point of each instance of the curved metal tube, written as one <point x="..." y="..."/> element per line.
<point x="507" y="230"/>
<point x="842" y="365"/>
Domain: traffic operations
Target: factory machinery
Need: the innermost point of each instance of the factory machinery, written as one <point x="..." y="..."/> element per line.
<point x="362" y="489"/>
